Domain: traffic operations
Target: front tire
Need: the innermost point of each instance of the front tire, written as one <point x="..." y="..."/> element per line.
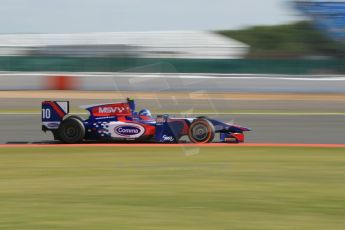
<point x="71" y="131"/>
<point x="201" y="131"/>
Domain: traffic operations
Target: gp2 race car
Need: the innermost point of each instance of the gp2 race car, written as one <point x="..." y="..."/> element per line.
<point x="120" y="122"/>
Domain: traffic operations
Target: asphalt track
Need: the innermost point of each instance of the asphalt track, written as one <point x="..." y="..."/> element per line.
<point x="322" y="103"/>
<point x="211" y="145"/>
<point x="303" y="119"/>
<point x="302" y="129"/>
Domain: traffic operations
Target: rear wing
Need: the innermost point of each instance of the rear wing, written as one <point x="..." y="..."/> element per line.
<point x="53" y="113"/>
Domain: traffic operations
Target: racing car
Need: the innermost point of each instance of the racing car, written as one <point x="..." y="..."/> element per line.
<point x="121" y="122"/>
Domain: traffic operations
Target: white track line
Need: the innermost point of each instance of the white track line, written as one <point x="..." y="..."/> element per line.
<point x="190" y="76"/>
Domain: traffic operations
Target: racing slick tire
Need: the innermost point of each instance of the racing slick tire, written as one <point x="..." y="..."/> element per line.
<point x="71" y="131"/>
<point x="56" y="135"/>
<point x="201" y="131"/>
<point x="56" y="132"/>
<point x="73" y="116"/>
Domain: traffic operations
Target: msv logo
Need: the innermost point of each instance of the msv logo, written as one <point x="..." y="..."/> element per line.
<point x="111" y="109"/>
<point x="127" y="130"/>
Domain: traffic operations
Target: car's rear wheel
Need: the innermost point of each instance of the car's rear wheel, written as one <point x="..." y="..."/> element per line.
<point x="74" y="116"/>
<point x="56" y="135"/>
<point x="201" y="131"/>
<point x="71" y="131"/>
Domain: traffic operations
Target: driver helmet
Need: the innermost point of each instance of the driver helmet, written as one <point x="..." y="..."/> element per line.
<point x="145" y="113"/>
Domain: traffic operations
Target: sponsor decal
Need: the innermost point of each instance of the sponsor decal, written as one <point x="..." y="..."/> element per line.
<point x="53" y="125"/>
<point x="230" y="140"/>
<point x="111" y="110"/>
<point x="127" y="130"/>
<point x="168" y="138"/>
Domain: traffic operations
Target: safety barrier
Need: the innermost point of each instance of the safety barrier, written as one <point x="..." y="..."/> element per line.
<point x="144" y="65"/>
<point x="172" y="82"/>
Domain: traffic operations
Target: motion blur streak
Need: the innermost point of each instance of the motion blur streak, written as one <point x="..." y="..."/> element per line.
<point x="173" y="145"/>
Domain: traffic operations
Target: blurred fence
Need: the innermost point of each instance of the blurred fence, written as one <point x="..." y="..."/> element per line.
<point x="150" y="82"/>
<point x="145" y="65"/>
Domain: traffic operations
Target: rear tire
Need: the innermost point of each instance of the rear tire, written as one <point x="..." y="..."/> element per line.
<point x="201" y="131"/>
<point x="74" y="116"/>
<point x="71" y="131"/>
<point x="56" y="135"/>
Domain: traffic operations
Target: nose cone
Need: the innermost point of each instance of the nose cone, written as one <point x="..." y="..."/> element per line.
<point x="244" y="129"/>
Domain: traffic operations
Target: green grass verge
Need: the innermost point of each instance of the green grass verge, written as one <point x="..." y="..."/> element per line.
<point x="297" y="39"/>
<point x="172" y="188"/>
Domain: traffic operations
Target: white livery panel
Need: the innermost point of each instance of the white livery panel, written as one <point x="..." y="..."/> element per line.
<point x="124" y="130"/>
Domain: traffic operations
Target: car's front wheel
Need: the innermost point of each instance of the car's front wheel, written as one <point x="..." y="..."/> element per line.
<point x="201" y="131"/>
<point x="71" y="131"/>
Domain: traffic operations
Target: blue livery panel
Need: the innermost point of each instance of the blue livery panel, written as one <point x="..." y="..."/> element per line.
<point x="53" y="112"/>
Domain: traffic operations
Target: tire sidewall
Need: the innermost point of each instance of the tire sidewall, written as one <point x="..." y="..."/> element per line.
<point x="210" y="129"/>
<point x="71" y="123"/>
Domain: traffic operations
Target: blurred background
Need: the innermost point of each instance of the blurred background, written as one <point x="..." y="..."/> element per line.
<point x="277" y="36"/>
<point x="259" y="63"/>
<point x="275" y="66"/>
